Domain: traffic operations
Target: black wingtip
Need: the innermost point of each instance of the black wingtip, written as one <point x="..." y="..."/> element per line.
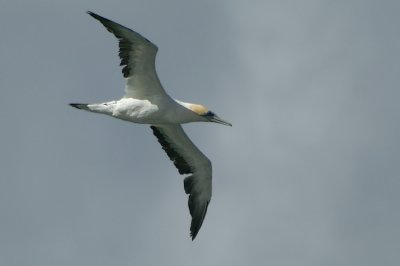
<point x="193" y="235"/>
<point x="194" y="231"/>
<point x="94" y="15"/>
<point x="198" y="214"/>
<point x="98" y="17"/>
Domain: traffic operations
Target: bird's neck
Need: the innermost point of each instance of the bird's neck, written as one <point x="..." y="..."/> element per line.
<point x="190" y="112"/>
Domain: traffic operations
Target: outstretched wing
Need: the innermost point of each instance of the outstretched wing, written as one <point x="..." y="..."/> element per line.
<point x="137" y="56"/>
<point x="189" y="160"/>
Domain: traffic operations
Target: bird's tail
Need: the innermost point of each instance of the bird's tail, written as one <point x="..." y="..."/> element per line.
<point x="82" y="106"/>
<point x="106" y="108"/>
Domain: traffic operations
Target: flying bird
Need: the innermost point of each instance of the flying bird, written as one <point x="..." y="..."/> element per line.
<point x="146" y="102"/>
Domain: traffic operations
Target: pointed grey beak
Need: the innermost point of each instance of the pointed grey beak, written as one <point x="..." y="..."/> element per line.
<point x="218" y="120"/>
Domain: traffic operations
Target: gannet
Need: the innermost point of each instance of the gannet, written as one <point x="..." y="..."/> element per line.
<point x="146" y="102"/>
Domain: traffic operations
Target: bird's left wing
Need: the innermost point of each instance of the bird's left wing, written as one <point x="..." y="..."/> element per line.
<point x="189" y="160"/>
<point x="138" y="57"/>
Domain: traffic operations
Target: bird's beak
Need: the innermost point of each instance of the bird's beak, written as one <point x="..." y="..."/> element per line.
<point x="218" y="120"/>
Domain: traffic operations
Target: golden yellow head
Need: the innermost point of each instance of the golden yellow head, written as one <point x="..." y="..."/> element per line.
<point x="207" y="114"/>
<point x="198" y="109"/>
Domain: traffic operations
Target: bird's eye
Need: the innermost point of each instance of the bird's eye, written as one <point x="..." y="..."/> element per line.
<point x="209" y="113"/>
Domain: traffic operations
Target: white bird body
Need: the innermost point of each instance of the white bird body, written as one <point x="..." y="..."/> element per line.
<point x="146" y="112"/>
<point x="146" y="102"/>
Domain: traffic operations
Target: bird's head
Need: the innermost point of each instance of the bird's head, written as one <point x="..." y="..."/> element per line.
<point x="208" y="115"/>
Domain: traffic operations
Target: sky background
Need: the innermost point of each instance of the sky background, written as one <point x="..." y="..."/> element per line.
<point x="308" y="175"/>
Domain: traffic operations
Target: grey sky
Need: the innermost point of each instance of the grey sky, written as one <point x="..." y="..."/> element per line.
<point x="308" y="174"/>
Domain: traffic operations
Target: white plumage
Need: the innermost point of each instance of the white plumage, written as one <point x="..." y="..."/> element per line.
<point x="146" y="102"/>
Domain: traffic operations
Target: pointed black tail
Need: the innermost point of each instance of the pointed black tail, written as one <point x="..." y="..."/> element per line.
<point x="79" y="105"/>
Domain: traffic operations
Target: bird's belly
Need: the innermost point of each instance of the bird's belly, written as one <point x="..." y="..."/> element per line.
<point x="136" y="111"/>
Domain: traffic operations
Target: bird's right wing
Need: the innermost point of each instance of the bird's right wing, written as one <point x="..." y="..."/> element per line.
<point x="138" y="57"/>
<point x="189" y="160"/>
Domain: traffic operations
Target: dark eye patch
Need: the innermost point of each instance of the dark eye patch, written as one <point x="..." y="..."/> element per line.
<point x="209" y="113"/>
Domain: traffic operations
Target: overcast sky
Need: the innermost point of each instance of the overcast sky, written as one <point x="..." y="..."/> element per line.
<point x="308" y="174"/>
